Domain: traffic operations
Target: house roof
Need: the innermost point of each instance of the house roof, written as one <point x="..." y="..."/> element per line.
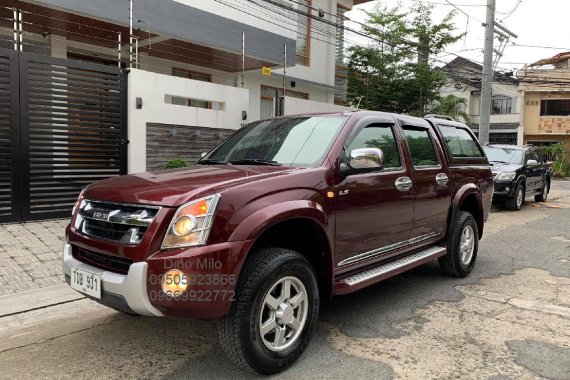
<point x="466" y="71"/>
<point x="558" y="58"/>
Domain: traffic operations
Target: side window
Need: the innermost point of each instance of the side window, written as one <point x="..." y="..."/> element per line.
<point x="421" y="147"/>
<point x="536" y="156"/>
<point x="378" y="136"/>
<point x="460" y="142"/>
<point x="527" y="156"/>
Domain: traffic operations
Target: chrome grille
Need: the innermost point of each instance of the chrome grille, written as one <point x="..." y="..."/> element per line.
<point x="122" y="223"/>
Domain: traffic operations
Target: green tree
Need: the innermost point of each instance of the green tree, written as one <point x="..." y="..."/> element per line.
<point x="449" y="105"/>
<point x="394" y="74"/>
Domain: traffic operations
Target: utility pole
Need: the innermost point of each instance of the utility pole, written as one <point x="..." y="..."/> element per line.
<point x="487" y="76"/>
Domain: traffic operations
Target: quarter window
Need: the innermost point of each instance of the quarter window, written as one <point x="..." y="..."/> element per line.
<point x="421" y="147"/>
<point x="379" y="136"/>
<point x="460" y="142"/>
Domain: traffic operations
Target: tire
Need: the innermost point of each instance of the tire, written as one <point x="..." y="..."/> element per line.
<point x="517" y="201"/>
<point x="457" y="262"/>
<point x="265" y="274"/>
<point x="543" y="196"/>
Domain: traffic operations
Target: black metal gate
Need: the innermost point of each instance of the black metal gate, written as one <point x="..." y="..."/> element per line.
<point x="62" y="126"/>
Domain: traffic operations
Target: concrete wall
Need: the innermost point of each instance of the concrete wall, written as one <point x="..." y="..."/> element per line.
<point x="153" y="88"/>
<point x="295" y="106"/>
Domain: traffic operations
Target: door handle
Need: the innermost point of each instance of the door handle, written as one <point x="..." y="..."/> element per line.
<point x="441" y="179"/>
<point x="403" y="183"/>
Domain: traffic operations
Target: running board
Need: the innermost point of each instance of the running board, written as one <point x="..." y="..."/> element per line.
<point x="370" y="276"/>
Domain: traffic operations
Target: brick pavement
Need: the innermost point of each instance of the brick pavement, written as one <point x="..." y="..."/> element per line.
<point x="30" y="255"/>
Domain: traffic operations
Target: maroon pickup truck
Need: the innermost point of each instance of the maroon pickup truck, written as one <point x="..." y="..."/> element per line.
<point x="283" y="213"/>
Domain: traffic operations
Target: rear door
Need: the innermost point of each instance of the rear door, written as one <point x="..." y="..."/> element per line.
<point x="373" y="216"/>
<point x="430" y="181"/>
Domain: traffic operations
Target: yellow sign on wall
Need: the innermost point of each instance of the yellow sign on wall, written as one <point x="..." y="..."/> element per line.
<point x="266" y="70"/>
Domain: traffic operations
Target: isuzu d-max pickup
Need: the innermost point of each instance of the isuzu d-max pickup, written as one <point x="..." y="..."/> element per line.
<point x="282" y="214"/>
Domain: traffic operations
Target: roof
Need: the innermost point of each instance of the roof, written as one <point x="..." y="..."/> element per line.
<point x="466" y="71"/>
<point x="558" y="58"/>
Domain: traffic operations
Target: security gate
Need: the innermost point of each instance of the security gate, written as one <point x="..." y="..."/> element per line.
<point x="62" y="127"/>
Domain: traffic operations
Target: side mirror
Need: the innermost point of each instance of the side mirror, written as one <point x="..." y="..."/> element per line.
<point x="532" y="162"/>
<point x="363" y="160"/>
<point x="203" y="154"/>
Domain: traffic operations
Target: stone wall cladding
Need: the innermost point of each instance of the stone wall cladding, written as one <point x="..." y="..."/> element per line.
<point x="187" y="142"/>
<point x="554" y="125"/>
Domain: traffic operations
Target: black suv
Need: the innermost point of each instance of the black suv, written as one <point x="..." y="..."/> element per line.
<point x="518" y="172"/>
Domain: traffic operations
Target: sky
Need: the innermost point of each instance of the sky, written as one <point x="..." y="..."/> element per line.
<point x="544" y="23"/>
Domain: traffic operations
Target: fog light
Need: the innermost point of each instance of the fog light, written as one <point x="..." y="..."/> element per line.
<point x="174" y="282"/>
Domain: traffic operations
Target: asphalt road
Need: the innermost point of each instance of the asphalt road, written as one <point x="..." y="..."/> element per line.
<point x="509" y="320"/>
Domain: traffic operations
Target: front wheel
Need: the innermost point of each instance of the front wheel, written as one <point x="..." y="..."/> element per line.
<point x="276" y="307"/>
<point x="543" y="196"/>
<point x="462" y="247"/>
<point x="516" y="202"/>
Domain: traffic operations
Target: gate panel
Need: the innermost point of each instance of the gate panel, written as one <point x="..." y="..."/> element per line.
<point x="73" y="131"/>
<point x="10" y="183"/>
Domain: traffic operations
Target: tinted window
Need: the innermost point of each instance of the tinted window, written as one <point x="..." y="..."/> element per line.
<point x="379" y="136"/>
<point x="460" y="142"/>
<point x="421" y="147"/>
<point x="555" y="107"/>
<point x="536" y="156"/>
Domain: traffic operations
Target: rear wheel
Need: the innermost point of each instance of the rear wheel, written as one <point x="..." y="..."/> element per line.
<point x="462" y="247"/>
<point x="543" y="196"/>
<point x="516" y="202"/>
<point x="276" y="307"/>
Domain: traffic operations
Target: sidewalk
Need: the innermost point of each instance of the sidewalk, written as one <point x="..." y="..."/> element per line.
<point x="30" y="255"/>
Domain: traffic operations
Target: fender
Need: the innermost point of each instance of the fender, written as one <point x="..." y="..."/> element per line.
<point x="254" y="225"/>
<point x="522" y="180"/>
<point x="464" y="191"/>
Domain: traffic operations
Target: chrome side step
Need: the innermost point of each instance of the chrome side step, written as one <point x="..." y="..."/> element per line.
<point x="384" y="271"/>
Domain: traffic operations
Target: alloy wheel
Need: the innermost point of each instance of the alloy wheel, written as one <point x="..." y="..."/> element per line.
<point x="283" y="313"/>
<point x="467" y="245"/>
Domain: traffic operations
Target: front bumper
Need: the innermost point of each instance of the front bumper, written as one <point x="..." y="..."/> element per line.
<point x="212" y="272"/>
<point x="127" y="293"/>
<point x="504" y="189"/>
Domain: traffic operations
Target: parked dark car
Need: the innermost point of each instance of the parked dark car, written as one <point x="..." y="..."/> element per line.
<point x="282" y="214"/>
<point x="519" y="172"/>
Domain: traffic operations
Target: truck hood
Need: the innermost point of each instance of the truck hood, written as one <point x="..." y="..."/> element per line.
<point x="175" y="187"/>
<point x="497" y="167"/>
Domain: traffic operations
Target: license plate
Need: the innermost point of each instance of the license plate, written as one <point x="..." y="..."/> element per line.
<point x="86" y="282"/>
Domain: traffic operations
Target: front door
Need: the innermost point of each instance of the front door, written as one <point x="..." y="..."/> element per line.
<point x="372" y="214"/>
<point x="430" y="183"/>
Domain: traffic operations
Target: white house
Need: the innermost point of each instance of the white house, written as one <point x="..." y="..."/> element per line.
<point x="186" y="67"/>
<point x="464" y="81"/>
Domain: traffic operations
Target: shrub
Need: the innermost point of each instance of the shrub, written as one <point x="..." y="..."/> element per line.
<point x="176" y="162"/>
<point x="557" y="154"/>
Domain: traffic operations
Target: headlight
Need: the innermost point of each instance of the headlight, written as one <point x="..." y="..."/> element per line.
<point x="509" y="176"/>
<point x="78" y="202"/>
<point x="192" y="223"/>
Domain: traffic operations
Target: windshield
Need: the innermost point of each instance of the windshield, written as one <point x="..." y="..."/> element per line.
<point x="504" y="155"/>
<point x="294" y="141"/>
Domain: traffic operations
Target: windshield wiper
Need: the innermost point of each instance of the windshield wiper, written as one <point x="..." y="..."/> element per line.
<point x="255" y="161"/>
<point x="211" y="162"/>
